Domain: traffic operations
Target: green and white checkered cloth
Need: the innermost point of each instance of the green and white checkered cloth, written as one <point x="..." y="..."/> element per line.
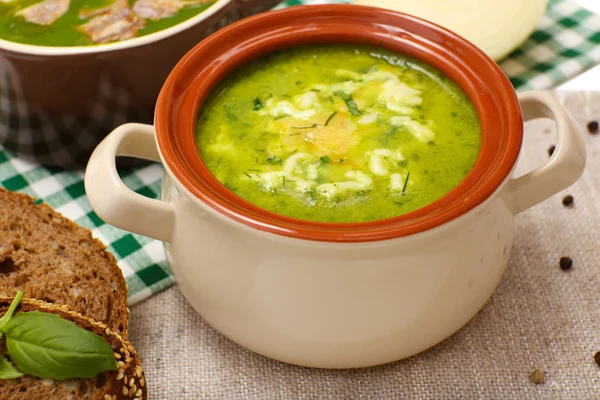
<point x="566" y="43"/>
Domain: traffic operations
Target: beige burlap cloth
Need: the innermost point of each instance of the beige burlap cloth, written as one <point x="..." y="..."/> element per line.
<point x="539" y="317"/>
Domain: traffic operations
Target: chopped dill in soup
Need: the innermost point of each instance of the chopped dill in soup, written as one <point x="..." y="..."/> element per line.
<point x="338" y="133"/>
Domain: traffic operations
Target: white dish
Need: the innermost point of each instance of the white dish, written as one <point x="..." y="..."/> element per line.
<point x="496" y="27"/>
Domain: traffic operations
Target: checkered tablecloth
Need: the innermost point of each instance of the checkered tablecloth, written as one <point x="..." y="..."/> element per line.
<point x="566" y="43"/>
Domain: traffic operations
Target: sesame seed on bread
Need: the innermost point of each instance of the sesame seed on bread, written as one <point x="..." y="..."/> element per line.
<point x="55" y="260"/>
<point x="128" y="382"/>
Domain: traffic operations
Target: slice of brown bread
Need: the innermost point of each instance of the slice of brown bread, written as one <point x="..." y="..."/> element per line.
<point x="53" y="259"/>
<point x="128" y="382"/>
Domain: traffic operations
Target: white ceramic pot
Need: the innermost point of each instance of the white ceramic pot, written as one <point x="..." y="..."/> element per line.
<point x="337" y="300"/>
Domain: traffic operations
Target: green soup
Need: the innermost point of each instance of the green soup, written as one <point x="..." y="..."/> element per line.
<point x="63" y="22"/>
<point x="338" y="134"/>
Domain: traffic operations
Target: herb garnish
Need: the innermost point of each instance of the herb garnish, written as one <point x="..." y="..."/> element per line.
<point x="325" y="159"/>
<point x="245" y="173"/>
<point x="257" y="104"/>
<point x="352" y="107"/>
<point x="405" y="183"/>
<point x="274" y="160"/>
<point x="306" y="127"/>
<point x="402" y="163"/>
<point x="7" y="370"/>
<point x="50" y="347"/>
<point x="259" y="150"/>
<point x="330" y="117"/>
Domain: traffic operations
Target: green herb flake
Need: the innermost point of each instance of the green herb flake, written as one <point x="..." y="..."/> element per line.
<point x="405" y="183"/>
<point x="257" y="104"/>
<point x="248" y="175"/>
<point x="330" y="117"/>
<point x="49" y="347"/>
<point x="306" y="127"/>
<point x="273" y="160"/>
<point x="402" y="163"/>
<point x="352" y="107"/>
<point x="325" y="159"/>
<point x="398" y="203"/>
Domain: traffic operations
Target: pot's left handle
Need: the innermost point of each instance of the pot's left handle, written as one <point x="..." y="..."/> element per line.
<point x="112" y="200"/>
<point x="566" y="164"/>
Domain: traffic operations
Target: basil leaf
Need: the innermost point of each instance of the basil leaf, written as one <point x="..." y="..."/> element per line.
<point x="47" y="346"/>
<point x="11" y="309"/>
<point x="7" y="370"/>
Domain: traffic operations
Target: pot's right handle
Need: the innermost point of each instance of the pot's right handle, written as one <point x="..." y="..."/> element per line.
<point x="114" y="202"/>
<point x="566" y="164"/>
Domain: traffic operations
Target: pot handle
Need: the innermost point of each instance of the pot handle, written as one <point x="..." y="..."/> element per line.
<point x="566" y="164"/>
<point x="114" y="202"/>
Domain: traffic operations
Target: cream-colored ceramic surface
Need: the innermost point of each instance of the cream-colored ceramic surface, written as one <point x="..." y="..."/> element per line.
<point x="332" y="305"/>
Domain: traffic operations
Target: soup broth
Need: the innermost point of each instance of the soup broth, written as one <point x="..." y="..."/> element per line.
<point x="88" y="22"/>
<point x="338" y="133"/>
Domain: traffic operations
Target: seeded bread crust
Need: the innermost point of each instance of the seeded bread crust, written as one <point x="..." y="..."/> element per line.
<point x="128" y="382"/>
<point x="53" y="259"/>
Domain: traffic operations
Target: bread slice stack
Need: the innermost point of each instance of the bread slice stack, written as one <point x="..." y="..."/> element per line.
<point x="63" y="270"/>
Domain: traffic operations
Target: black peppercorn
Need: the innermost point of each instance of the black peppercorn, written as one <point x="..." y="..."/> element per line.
<point x="593" y="127"/>
<point x="567" y="200"/>
<point x="551" y="149"/>
<point x="565" y="263"/>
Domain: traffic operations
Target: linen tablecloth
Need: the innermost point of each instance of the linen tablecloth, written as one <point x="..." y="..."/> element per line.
<point x="539" y="317"/>
<point x="566" y="42"/>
